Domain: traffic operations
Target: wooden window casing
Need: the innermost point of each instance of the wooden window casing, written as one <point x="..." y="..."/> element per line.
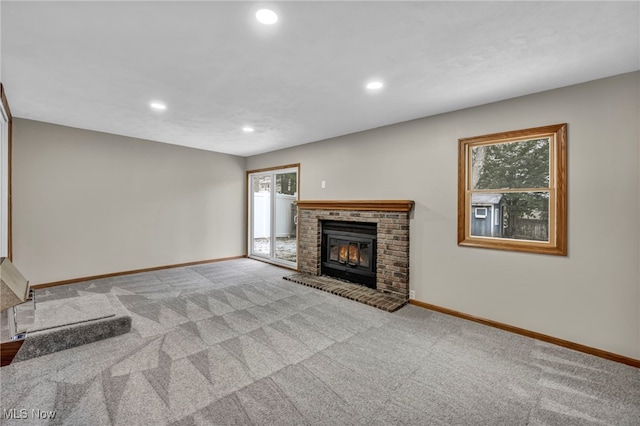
<point x="555" y="189"/>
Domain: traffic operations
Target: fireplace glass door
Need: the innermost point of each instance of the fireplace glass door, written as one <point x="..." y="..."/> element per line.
<point x="273" y="216"/>
<point x="349" y="253"/>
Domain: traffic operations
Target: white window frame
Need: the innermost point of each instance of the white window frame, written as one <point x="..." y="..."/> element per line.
<point x="250" y="213"/>
<point x="480" y="216"/>
<point x="4" y="181"/>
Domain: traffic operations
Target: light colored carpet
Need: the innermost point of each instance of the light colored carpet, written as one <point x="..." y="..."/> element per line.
<point x="234" y="343"/>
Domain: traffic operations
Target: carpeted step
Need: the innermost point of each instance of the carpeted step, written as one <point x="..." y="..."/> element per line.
<point x="67" y="323"/>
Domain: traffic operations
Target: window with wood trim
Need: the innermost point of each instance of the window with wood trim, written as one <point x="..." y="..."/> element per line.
<point x="512" y="190"/>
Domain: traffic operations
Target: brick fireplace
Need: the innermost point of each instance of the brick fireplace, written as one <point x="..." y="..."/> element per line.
<point x="391" y="219"/>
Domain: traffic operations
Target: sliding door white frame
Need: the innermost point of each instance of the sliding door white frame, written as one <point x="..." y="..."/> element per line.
<point x="273" y="214"/>
<point x="4" y="182"/>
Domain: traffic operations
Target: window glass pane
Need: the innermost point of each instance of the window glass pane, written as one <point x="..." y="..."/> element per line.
<point x="285" y="216"/>
<point x="287" y="183"/>
<point x="260" y="187"/>
<point x="512" y="215"/>
<point x="519" y="164"/>
<point x="481" y="212"/>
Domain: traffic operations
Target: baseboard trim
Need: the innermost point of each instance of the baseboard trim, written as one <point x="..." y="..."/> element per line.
<point x="538" y="336"/>
<point x="135" y="271"/>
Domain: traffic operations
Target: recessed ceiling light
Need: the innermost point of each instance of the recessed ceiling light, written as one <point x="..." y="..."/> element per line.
<point x="247" y="129"/>
<point x="266" y="16"/>
<point x="374" y="85"/>
<point x="158" y="106"/>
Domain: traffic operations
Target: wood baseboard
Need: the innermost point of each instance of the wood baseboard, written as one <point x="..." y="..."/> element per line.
<point x="135" y="271"/>
<point x="539" y="336"/>
<point x="8" y="351"/>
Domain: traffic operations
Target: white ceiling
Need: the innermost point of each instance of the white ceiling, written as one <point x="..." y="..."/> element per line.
<point x="97" y="65"/>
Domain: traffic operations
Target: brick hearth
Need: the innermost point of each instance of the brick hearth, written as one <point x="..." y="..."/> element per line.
<point x="392" y="219"/>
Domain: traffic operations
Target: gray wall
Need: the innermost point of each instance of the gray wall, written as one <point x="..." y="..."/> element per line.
<point x="592" y="296"/>
<point x="88" y="203"/>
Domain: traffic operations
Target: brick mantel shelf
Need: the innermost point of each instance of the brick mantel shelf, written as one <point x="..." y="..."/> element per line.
<point x="392" y="219"/>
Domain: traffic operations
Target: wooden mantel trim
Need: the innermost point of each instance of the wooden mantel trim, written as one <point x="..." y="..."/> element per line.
<point x="363" y="205"/>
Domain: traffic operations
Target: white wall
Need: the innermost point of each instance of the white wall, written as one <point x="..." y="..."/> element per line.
<point x="88" y="203"/>
<point x="0" y="42"/>
<point x="592" y="296"/>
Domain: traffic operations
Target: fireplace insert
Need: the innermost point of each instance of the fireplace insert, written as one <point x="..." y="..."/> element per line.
<point x="349" y="251"/>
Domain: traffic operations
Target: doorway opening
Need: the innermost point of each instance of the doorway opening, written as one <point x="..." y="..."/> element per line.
<point x="273" y="215"/>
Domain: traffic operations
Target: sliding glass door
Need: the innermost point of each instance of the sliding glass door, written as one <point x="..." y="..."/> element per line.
<point x="273" y="230"/>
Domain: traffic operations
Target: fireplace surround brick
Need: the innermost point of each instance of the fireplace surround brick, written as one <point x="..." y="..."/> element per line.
<point x="392" y="218"/>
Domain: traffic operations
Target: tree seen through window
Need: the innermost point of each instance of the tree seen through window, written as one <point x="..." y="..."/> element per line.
<point x="516" y="165"/>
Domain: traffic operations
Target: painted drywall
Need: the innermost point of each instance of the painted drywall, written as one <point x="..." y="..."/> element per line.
<point x="88" y="203"/>
<point x="591" y="296"/>
<point x="0" y="43"/>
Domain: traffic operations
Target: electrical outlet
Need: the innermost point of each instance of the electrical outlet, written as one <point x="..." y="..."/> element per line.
<point x="323" y="184"/>
<point x="412" y="294"/>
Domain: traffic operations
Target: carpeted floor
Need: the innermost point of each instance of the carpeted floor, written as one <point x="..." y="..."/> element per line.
<point x="234" y="343"/>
